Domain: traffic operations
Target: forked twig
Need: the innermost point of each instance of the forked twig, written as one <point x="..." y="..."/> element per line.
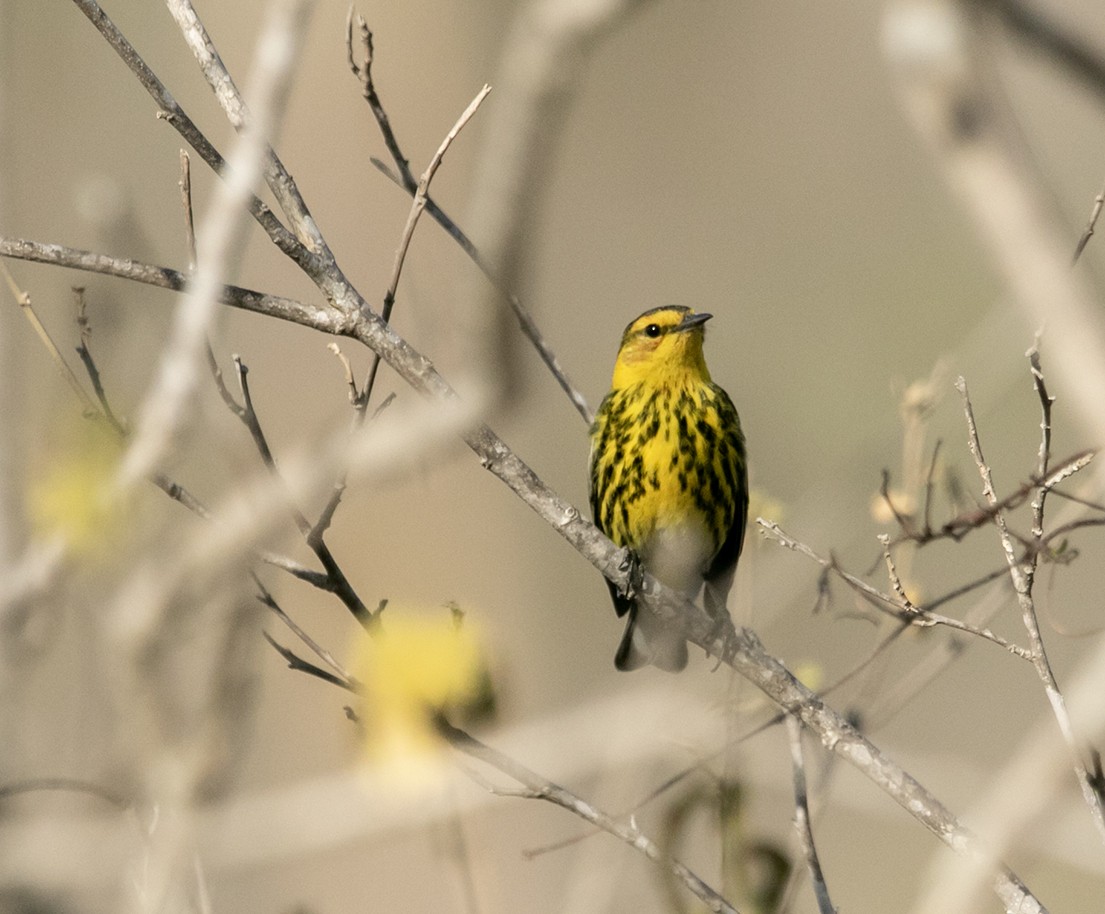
<point x="1022" y="574"/>
<point x="405" y="179"/>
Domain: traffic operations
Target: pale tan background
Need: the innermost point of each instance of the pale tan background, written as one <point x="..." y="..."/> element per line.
<point x="749" y="160"/>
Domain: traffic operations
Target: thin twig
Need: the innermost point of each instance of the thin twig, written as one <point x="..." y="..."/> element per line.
<point x="892" y="575"/>
<point x="230" y="99"/>
<point x="297" y="663"/>
<point x="363" y="72"/>
<point x="802" y="817"/>
<point x="419" y="204"/>
<point x="84" y="352"/>
<point x="537" y="787"/>
<point x="900" y="608"/>
<point x="420" y="197"/>
<point x="521" y="313"/>
<point x="186" y="208"/>
<point x="339" y="583"/>
<point x="1091" y="225"/>
<point x="929" y="481"/>
<point x="350" y="380"/>
<point x="904" y="522"/>
<point x="1023" y="576"/>
<point x="174" y="115"/>
<point x="1046" y="400"/>
<point x="23" y="299"/>
<point x="319" y="651"/>
<point x="337" y="491"/>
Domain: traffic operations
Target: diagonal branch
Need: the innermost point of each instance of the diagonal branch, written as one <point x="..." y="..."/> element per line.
<point x="276" y="176"/>
<point x="172" y="112"/>
<point x="743" y="651"/>
<point x="541" y="788"/>
<point x="405" y="179"/>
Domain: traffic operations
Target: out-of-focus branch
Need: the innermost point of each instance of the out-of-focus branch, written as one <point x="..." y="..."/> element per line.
<point x="544" y="64"/>
<point x="1018" y="796"/>
<point x="404" y="178"/>
<point x="938" y="52"/>
<point x="1068" y="49"/>
<point x="190" y="729"/>
<point x="176" y="116"/>
<point x="166" y="407"/>
<point x="237" y="112"/>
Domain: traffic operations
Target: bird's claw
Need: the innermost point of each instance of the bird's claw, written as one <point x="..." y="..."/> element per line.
<point x="634" y="571"/>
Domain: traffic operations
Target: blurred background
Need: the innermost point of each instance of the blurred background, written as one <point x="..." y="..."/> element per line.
<point x="747" y="160"/>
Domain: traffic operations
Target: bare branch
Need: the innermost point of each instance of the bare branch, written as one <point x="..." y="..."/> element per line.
<point x="186" y="208"/>
<point x="338" y="583"/>
<point x="900" y="608"/>
<point x="420" y="196"/>
<point x="23" y="299"/>
<point x="308" y="315"/>
<point x="419" y="204"/>
<point x="234" y="107"/>
<point x="166" y="407"/>
<point x="297" y="663"/>
<point x="1023" y="576"/>
<point x="363" y="71"/>
<point x="537" y="787"/>
<point x="1091" y="225"/>
<point x="175" y="115"/>
<point x="802" y="817"/>
<point x="525" y="320"/>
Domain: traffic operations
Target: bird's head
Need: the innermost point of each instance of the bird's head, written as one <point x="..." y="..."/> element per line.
<point x="660" y="343"/>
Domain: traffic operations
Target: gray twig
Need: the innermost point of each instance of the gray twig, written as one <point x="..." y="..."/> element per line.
<point x="802" y="823"/>
<point x="539" y="788"/>
<point x="1023" y="573"/>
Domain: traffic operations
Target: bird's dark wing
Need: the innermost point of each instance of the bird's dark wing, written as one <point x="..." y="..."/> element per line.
<point x="598" y="446"/>
<point x="720" y="573"/>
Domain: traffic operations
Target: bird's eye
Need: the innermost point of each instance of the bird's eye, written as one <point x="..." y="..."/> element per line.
<point x="652" y="330"/>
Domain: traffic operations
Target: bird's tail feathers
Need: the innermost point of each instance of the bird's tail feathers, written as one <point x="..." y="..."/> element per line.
<point x="648" y="639"/>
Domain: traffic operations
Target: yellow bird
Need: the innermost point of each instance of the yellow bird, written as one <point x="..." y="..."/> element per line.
<point x="668" y="477"/>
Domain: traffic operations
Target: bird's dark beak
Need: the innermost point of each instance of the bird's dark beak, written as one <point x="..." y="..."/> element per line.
<point x="693" y="320"/>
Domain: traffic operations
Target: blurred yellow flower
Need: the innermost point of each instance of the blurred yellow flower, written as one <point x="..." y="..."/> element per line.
<point x="904" y="503"/>
<point x="412" y="669"/>
<point x="811" y="674"/>
<point x="71" y="494"/>
<point x="762" y="503"/>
